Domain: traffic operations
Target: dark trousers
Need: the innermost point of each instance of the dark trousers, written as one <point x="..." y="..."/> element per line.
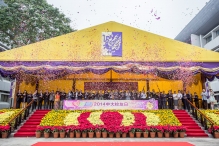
<point x="197" y="104"/>
<point x="159" y="104"/>
<point x="209" y="106"/>
<point x="187" y="105"/>
<point x="40" y="102"/>
<point x="204" y="104"/>
<point x="28" y="101"/>
<point x="46" y="104"/>
<point x="170" y="103"/>
<point x="51" y="104"/>
<point x="18" y="104"/>
<point x="164" y="104"/>
<point x="34" y="105"/>
<point x="184" y="103"/>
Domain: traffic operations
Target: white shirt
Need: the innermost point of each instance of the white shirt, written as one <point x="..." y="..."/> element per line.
<point x="175" y="97"/>
<point x="143" y="95"/>
<point x="179" y="95"/>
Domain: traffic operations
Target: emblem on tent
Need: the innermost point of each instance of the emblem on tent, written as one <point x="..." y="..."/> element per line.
<point x="111" y="44"/>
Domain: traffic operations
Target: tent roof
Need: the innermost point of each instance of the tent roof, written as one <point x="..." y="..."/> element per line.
<point x="85" y="45"/>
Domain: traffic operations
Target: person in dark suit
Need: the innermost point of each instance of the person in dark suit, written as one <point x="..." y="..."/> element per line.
<point x="196" y="100"/>
<point x="153" y="94"/>
<point x="149" y="95"/>
<point x="24" y="99"/>
<point x="29" y="98"/>
<point x="46" y="99"/>
<point x="51" y="99"/>
<point x="18" y="99"/>
<point x="106" y="95"/>
<point x="188" y="96"/>
<point x="62" y="98"/>
<point x="164" y="100"/>
<point x="135" y="95"/>
<point x="40" y="100"/>
<point x="170" y="99"/>
<point x="159" y="98"/>
<point x="35" y="99"/>
<point x="80" y="95"/>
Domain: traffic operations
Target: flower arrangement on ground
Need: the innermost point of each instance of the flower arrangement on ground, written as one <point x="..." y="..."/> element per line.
<point x="134" y="122"/>
<point x="7" y="114"/>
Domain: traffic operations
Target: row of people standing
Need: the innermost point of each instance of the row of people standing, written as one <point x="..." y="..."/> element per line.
<point x="169" y="100"/>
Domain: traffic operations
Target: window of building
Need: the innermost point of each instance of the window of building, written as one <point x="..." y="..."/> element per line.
<point x="4" y="98"/>
<point x="208" y="39"/>
<point x="217" y="33"/>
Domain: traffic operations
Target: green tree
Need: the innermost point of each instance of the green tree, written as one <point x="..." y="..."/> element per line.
<point x="23" y="22"/>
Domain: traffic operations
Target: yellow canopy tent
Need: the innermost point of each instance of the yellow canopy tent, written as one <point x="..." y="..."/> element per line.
<point x="79" y="55"/>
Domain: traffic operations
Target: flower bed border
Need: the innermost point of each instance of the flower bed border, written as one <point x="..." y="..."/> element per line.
<point x="132" y="131"/>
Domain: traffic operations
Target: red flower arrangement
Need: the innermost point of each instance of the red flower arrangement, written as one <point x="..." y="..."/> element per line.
<point x="160" y="129"/>
<point x="124" y="129"/>
<point x="140" y="119"/>
<point x="111" y="129"/>
<point x="54" y="129"/>
<point x="167" y="128"/>
<point x="62" y="129"/>
<point x="91" y="128"/>
<point x="153" y="128"/>
<point x="111" y="118"/>
<point x="146" y="129"/>
<point x="98" y="128"/>
<point x="39" y="128"/>
<point x="5" y="128"/>
<point x="174" y="129"/>
<point x="138" y="128"/>
<point x="82" y="119"/>
<point x="132" y="129"/>
<point x="213" y="129"/>
<point x="47" y="129"/>
<point x="182" y="129"/>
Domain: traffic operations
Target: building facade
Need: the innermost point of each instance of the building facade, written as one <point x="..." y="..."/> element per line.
<point x="203" y="29"/>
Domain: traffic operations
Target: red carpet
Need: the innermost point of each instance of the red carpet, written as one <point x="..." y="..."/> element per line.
<point x="193" y="129"/>
<point x="29" y="127"/>
<point x="113" y="144"/>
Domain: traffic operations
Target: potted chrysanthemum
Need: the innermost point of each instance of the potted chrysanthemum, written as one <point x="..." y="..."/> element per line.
<point x="146" y="130"/>
<point x="39" y="131"/>
<point x="167" y="131"/>
<point x="153" y="131"/>
<point x="104" y="131"/>
<point x="90" y="131"/>
<point x="160" y="131"/>
<point x="55" y="131"/>
<point x="131" y="132"/>
<point x="181" y="130"/>
<point x="138" y="131"/>
<point x="62" y="131"/>
<point x="47" y="130"/>
<point x="5" y="130"/>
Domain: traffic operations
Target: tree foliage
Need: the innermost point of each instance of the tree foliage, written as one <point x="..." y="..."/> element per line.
<point x="24" y="22"/>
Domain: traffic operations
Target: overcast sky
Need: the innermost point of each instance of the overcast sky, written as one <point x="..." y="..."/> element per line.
<point x="163" y="17"/>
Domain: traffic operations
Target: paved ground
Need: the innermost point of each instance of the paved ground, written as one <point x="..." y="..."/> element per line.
<point x="29" y="141"/>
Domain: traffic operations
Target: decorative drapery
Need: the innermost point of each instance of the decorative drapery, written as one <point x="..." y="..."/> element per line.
<point x="57" y="69"/>
<point x="211" y="78"/>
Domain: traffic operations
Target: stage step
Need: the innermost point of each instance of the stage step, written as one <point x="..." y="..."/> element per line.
<point x="193" y="129"/>
<point x="28" y="129"/>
